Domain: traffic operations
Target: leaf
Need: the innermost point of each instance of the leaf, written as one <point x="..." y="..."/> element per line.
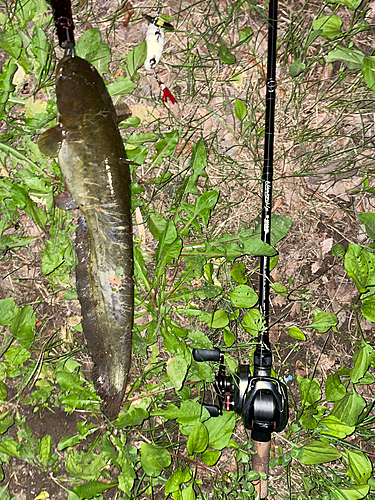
<point x="351" y="4"/>
<point x="220" y="430"/>
<point x="229" y="337"/>
<point x="86" y="466"/>
<point x="335" y="427"/>
<point x="245" y="34"/>
<point x="353" y="493"/>
<point x="136" y="58"/>
<point x="17" y="355"/>
<point x="362" y="361"/>
<point x="368" y="307"/>
<point x="176" y="370"/>
<point x="165" y="147"/>
<point x="360" y="467"/>
<point x="323" y="321"/>
<point x="349" y="408"/>
<point x="92" y="489"/>
<point x="238" y="273"/>
<point x="154" y="460"/>
<point x="174" y="482"/>
<point x="188" y="493"/>
<point x="109" y="451"/>
<point x="240" y="109"/>
<point x="11" y="42"/>
<point x="126" y="477"/>
<point x="121" y="86"/>
<point x="134" y="416"/>
<point x="226" y="55"/>
<point x="198" y="163"/>
<point x="198" y="439"/>
<point x="368" y="219"/>
<point x="169" y="248"/>
<point x="8" y="311"/>
<point x="210" y="457"/>
<point x="45" y="450"/>
<point x="368" y="71"/>
<point x="199" y="340"/>
<point x="318" y="452"/>
<point x="351" y="58"/>
<point x="329" y="26"/>
<point x="334" y="389"/>
<point x="23" y="325"/>
<point x="243" y="296"/>
<point x="296" y="333"/>
<point x="219" y="319"/>
<point x="360" y="266"/>
<point x="91" y="48"/>
<point x="4" y="492"/>
<point x="252" y="322"/>
<point x="309" y="390"/>
<point x="296" y="68"/>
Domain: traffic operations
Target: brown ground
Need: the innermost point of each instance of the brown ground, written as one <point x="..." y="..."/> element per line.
<point x="312" y="184"/>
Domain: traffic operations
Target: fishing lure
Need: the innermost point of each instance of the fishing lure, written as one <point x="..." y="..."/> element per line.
<point x="155" y="44"/>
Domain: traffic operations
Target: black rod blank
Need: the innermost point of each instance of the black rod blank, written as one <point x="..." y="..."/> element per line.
<point x="268" y="168"/>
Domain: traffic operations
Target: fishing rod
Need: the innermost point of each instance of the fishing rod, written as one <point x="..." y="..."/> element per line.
<point x="62" y="14"/>
<point x="259" y="398"/>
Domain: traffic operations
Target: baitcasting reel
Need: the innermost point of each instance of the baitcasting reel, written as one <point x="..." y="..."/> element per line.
<point x="260" y="399"/>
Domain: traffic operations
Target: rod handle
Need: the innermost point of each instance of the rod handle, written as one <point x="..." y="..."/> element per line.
<point x="201" y="355"/>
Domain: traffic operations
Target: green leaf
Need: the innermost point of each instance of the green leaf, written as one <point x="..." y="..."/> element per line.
<point x="210" y="457"/>
<point x="329" y="26"/>
<point x="45" y="450"/>
<point x="351" y="58"/>
<point x="8" y="311"/>
<point x="353" y="493"/>
<point x="198" y="163"/>
<point x="169" y="248"/>
<point x="245" y="34"/>
<point x="360" y="266"/>
<point x="188" y="493"/>
<point x="174" y="482"/>
<point x="188" y="414"/>
<point x="229" y="337"/>
<point x="360" y="467"/>
<point x="226" y="55"/>
<point x="17" y="355"/>
<point x="296" y="333"/>
<point x="349" y="407"/>
<point x="334" y="389"/>
<point x="238" y="273"/>
<point x="109" y="451"/>
<point x="11" y="42"/>
<point x="368" y="219"/>
<point x="219" y="319"/>
<point x="198" y="439"/>
<point x="154" y="460"/>
<point x="243" y="296"/>
<point x="4" y="493"/>
<point x="362" y="361"/>
<point x="136" y="58"/>
<point x="23" y="325"/>
<point x="368" y="307"/>
<point x="199" y="340"/>
<point x="91" y="48"/>
<point x="334" y="427"/>
<point x="9" y="446"/>
<point x="126" y="477"/>
<point x="240" y="109"/>
<point x="309" y="389"/>
<point x="220" y="430"/>
<point x="351" y="4"/>
<point x="296" y="68"/>
<point x="121" y="86"/>
<point x="165" y="147"/>
<point x="323" y="321"/>
<point x="69" y="441"/>
<point x="86" y="466"/>
<point x="92" y="489"/>
<point x="368" y="71"/>
<point x="176" y="370"/>
<point x="338" y="251"/>
<point x="253" y="322"/>
<point x="318" y="452"/>
<point x="134" y="416"/>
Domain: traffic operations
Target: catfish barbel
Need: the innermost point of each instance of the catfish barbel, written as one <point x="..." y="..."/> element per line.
<point x="93" y="163"/>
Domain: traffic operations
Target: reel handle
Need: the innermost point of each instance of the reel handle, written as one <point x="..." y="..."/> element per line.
<point x="201" y="355"/>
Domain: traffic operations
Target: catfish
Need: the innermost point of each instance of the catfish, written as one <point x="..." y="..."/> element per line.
<point x="93" y="163"/>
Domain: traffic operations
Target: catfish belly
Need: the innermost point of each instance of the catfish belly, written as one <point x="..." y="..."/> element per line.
<point x="93" y="163"/>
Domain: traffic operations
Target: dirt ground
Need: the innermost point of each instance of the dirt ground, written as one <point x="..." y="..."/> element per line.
<point x="316" y="183"/>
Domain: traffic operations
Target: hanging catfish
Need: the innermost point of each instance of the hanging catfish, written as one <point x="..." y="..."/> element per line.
<point x="93" y="163"/>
